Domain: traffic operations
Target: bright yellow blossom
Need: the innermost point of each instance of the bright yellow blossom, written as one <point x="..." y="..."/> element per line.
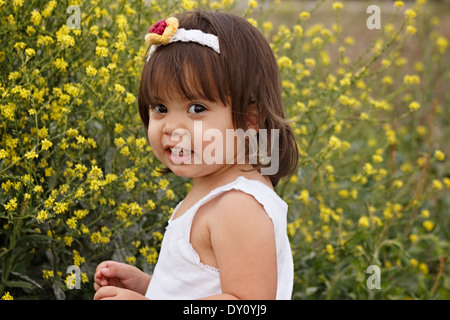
<point x="413" y="106"/>
<point x="410" y="14"/>
<point x="7" y="296"/>
<point x="439" y="155"/>
<point x="428" y="225"/>
<point x="304" y="15"/>
<point x="363" y="222"/>
<point x="414" y="262"/>
<point x="337" y="6"/>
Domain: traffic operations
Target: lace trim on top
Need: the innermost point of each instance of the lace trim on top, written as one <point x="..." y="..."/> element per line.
<point x="197" y="260"/>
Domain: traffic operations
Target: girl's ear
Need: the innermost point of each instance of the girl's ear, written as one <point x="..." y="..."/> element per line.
<point x="251" y="118"/>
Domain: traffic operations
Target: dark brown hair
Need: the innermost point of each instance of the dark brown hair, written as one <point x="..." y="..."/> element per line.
<point x="245" y="75"/>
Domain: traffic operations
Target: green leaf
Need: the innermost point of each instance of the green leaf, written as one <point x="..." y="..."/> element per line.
<point x="18" y="284"/>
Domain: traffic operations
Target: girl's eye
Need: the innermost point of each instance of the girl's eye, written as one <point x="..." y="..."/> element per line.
<point x="196" y="108"/>
<point x="159" y="108"/>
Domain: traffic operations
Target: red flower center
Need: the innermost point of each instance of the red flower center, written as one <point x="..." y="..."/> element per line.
<point x="158" y="27"/>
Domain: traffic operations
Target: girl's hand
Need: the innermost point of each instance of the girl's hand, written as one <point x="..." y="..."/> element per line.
<point x="121" y="275"/>
<point x="116" y="293"/>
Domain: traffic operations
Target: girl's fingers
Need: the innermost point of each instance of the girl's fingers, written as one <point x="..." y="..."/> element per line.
<point x="106" y="292"/>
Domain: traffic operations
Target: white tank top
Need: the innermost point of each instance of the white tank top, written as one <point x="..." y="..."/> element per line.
<point x="179" y="274"/>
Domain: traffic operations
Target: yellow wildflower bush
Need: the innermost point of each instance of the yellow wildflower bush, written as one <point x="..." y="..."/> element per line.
<point x="79" y="183"/>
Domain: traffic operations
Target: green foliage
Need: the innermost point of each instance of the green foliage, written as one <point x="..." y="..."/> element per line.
<point x="79" y="183"/>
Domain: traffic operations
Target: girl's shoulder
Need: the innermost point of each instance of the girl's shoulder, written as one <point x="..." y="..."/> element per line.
<point x="245" y="197"/>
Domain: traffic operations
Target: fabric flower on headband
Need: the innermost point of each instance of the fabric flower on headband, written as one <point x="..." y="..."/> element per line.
<point x="166" y="31"/>
<point x="162" y="31"/>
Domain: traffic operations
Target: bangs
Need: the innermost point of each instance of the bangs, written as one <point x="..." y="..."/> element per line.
<point x="184" y="70"/>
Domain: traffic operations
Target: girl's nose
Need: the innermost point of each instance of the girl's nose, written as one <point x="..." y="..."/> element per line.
<point x="172" y="124"/>
<point x="175" y="127"/>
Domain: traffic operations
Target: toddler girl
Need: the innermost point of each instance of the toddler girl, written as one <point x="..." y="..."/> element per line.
<point x="211" y="79"/>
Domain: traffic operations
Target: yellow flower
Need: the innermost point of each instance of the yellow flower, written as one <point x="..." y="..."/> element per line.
<point x="91" y="71"/>
<point x="72" y="223"/>
<point x="151" y="204"/>
<point x="157" y="236"/>
<point x="343" y="193"/>
<point x="304" y="15"/>
<point x="436" y="184"/>
<point x="310" y="62"/>
<point x="42" y="216"/>
<point x="414" y="106"/>
<point x="410" y="14"/>
<point x="7" y="296"/>
<point x="102" y="52"/>
<point x="130" y="260"/>
<point x="397" y="184"/>
<point x="446" y="180"/>
<point x="411" y="30"/>
<point x="170" y="194"/>
<point x="368" y="169"/>
<point x="77" y="258"/>
<point x="188" y="4"/>
<point x="304" y="196"/>
<point x="337" y="6"/>
<point x="36" y="17"/>
<point x="66" y="40"/>
<point x="253" y="22"/>
<point x="411" y="79"/>
<point x="46" y="144"/>
<point x="363" y="222"/>
<point x="17" y="3"/>
<point x="284" y="62"/>
<point x="442" y="44"/>
<point x="44" y="40"/>
<point x="425" y="213"/>
<point x="49" y="8"/>
<point x="31" y="154"/>
<point x="46" y="274"/>
<point x="13" y="75"/>
<point x="399" y="4"/>
<point x="68" y="240"/>
<point x="267" y="26"/>
<point x="377" y="158"/>
<point x="329" y="248"/>
<point x="439" y="155"/>
<point x="424" y="268"/>
<point x="428" y="225"/>
<point x="298" y="30"/>
<point x="60" y="64"/>
<point x="129" y="98"/>
<point x="11" y="205"/>
<point x="252" y="4"/>
<point x="119" y="88"/>
<point x="334" y="143"/>
<point x="413" y="238"/>
<point x="119" y="142"/>
<point x="414" y="262"/>
<point x="125" y="151"/>
<point x="30" y="52"/>
<point x="118" y="128"/>
<point x="3" y="154"/>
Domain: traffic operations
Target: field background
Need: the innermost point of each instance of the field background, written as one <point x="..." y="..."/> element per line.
<point x="369" y="108"/>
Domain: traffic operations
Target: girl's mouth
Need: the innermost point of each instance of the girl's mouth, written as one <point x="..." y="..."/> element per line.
<point x="179" y="155"/>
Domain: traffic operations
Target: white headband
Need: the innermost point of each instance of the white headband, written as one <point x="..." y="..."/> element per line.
<point x="165" y="32"/>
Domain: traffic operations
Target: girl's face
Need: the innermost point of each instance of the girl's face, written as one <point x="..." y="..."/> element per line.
<point x="189" y="137"/>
